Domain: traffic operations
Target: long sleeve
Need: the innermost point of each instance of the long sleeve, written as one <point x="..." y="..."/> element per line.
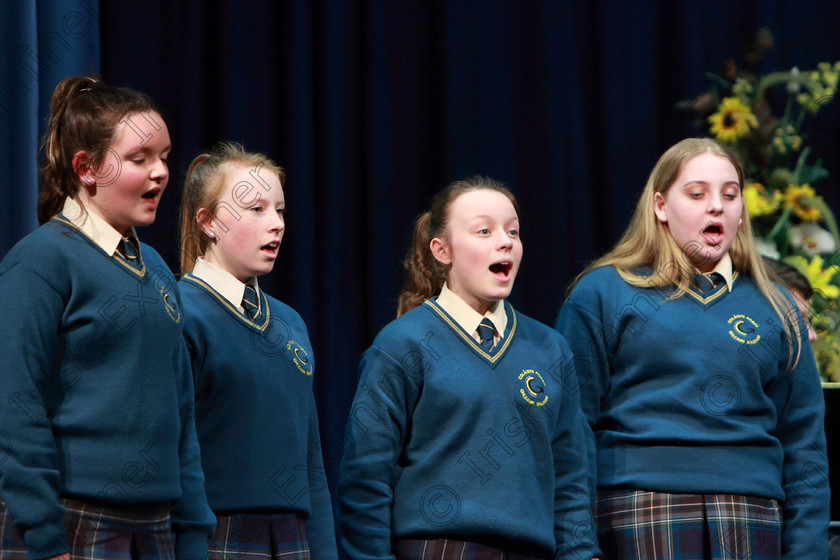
<point x="800" y="429"/>
<point x="320" y="527"/>
<point x="585" y="335"/>
<point x="193" y="522"/>
<point x="376" y="431"/>
<point x="31" y="311"/>
<point x="574" y="526"/>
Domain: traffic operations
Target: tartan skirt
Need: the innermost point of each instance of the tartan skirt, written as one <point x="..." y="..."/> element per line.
<point x="100" y="533"/>
<point x="445" y="549"/>
<point x="259" y="537"/>
<point x="659" y="526"/>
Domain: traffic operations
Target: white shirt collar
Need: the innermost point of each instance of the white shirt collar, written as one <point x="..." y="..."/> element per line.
<point x="92" y="225"/>
<point x="467" y="317"/>
<point x="222" y="281"/>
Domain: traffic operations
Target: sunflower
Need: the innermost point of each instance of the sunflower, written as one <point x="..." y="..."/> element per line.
<point x="800" y="199"/>
<point x="732" y="121"/>
<point x="758" y="202"/>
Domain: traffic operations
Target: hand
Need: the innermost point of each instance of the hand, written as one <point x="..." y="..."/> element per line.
<point x="65" y="556"/>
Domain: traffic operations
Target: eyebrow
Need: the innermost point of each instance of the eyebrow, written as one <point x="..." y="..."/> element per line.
<point x="706" y="183"/>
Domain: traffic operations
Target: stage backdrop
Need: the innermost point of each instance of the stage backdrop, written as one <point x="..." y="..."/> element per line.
<point x="372" y="106"/>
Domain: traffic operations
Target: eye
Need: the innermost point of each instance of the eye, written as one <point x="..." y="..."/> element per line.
<point x="256" y="209"/>
<point x="484" y="231"/>
<point x="281" y="212"/>
<point x="695" y="194"/>
<point x="513" y="233"/>
<point x="138" y="159"/>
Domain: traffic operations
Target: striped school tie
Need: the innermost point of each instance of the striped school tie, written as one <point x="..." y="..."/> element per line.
<point x="129" y="253"/>
<point x="251" y="303"/>
<point x="485" y="333"/>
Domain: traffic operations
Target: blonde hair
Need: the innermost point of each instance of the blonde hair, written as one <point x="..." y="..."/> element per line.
<point x="647" y="255"/>
<point x="425" y="274"/>
<point x="203" y="187"/>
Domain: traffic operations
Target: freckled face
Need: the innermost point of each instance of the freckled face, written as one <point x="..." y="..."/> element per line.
<point x="703" y="209"/>
<point x="482" y="246"/>
<point x="249" y="223"/>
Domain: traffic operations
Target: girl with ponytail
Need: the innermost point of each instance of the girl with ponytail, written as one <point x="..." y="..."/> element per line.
<point x="96" y="392"/>
<point x="465" y="439"/>
<point x="253" y="366"/>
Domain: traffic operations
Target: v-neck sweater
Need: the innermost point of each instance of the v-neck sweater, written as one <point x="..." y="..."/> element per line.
<point x="445" y="440"/>
<point x="255" y="412"/>
<point x="696" y="395"/>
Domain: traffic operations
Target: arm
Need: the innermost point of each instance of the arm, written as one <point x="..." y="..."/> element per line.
<point x="798" y="398"/>
<point x="376" y="434"/>
<point x="574" y="526"/>
<point x="192" y="521"/>
<point x="31" y="312"/>
<point x="319" y="527"/>
<point x="586" y="336"/>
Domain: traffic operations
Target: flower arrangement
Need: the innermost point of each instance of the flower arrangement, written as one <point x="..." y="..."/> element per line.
<point x="791" y="221"/>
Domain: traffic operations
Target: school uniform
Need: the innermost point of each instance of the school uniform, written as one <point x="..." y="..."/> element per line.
<point x="257" y="422"/>
<point x="97" y="400"/>
<point x="454" y="449"/>
<point x="707" y="437"/>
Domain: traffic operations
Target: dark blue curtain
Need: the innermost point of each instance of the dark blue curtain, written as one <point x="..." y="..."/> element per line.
<point x="41" y="42"/>
<point x="372" y="106"/>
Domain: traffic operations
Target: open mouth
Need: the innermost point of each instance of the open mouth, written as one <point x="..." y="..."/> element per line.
<point x="273" y="246"/>
<point x="713" y="233"/>
<point x="501" y="268"/>
<point x="150" y="194"/>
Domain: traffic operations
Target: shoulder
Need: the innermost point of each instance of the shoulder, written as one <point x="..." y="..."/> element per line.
<point x="49" y="251"/>
<point x="407" y="327"/>
<point x="537" y="332"/>
<point x="596" y="284"/>
<point x="284" y="311"/>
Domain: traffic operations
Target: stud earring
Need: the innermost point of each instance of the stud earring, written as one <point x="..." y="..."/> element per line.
<point x="211" y="235"/>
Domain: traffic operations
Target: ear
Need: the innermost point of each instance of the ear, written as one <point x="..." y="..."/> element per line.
<point x="82" y="168"/>
<point x="440" y="251"/>
<point x="659" y="207"/>
<point x="205" y="222"/>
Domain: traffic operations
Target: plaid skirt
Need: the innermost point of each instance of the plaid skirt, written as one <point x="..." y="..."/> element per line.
<point x="259" y="537"/>
<point x="658" y="526"/>
<point x="445" y="549"/>
<point x="100" y="533"/>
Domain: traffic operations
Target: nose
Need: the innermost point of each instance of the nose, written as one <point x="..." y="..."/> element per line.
<point x="278" y="224"/>
<point x="159" y="172"/>
<point x="506" y="241"/>
<point x="715" y="203"/>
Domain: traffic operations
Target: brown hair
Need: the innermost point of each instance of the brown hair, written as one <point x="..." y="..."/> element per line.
<point x="647" y="255"/>
<point x="425" y="274"/>
<point x="203" y="187"/>
<point x="84" y="114"/>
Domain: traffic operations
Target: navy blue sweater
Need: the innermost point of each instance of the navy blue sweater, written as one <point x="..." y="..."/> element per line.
<point x="255" y="411"/>
<point x="445" y="441"/>
<point x="95" y="388"/>
<point x="695" y="395"/>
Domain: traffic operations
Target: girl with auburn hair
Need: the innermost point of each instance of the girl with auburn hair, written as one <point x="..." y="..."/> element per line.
<point x="102" y="458"/>
<point x="253" y="366"/>
<point x="697" y="377"/>
<point x="464" y="439"/>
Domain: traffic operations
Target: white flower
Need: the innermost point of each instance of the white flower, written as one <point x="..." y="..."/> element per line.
<point x="812" y="239"/>
<point x="793" y="87"/>
<point x="767" y="248"/>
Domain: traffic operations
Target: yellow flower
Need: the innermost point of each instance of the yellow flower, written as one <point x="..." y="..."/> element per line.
<point x="758" y="202"/>
<point x="820" y="278"/>
<point x="796" y="197"/>
<point x="732" y="121"/>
